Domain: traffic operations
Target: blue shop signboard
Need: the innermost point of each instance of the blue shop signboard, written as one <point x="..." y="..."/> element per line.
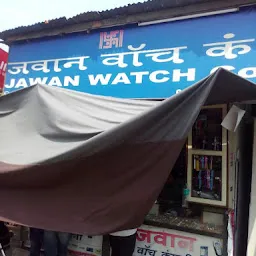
<point x="144" y="62"/>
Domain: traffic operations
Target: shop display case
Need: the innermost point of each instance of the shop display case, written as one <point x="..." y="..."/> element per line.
<point x="207" y="158"/>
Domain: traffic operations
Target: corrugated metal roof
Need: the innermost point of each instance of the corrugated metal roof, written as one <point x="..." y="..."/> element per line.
<point x="131" y="9"/>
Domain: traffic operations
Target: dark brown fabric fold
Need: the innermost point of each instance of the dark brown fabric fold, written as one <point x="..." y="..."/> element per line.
<point x="95" y="165"/>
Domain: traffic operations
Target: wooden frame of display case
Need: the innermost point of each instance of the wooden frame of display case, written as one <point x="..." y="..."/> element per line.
<point x="222" y="153"/>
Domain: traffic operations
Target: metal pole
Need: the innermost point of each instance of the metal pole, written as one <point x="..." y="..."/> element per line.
<point x="2" y="250"/>
<point x="245" y="144"/>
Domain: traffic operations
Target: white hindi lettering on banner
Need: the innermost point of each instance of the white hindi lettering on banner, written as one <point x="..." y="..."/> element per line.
<point x="117" y="59"/>
<point x="134" y="56"/>
<point x="174" y="52"/>
<point x="16" y="68"/>
<point x="3" y="66"/>
<point x="41" y="66"/>
<point x="76" y="60"/>
<point x="136" y="52"/>
<point x="226" y="48"/>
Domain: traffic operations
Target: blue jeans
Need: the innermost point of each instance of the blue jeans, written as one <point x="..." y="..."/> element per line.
<point x="36" y="240"/>
<point x="56" y="243"/>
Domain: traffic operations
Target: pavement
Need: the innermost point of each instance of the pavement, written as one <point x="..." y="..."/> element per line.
<point x="20" y="252"/>
<point x="19" y="235"/>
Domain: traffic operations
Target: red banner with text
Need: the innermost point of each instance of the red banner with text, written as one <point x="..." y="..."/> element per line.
<point x="3" y="66"/>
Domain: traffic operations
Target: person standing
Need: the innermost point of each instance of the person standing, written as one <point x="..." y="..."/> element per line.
<point x="36" y="237"/>
<point x="56" y="243"/>
<point x="122" y="243"/>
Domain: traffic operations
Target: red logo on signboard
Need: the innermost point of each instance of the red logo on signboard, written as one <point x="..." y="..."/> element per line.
<point x="110" y="39"/>
<point x="3" y="66"/>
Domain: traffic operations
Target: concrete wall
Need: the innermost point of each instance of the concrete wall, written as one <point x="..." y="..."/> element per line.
<point x="232" y="151"/>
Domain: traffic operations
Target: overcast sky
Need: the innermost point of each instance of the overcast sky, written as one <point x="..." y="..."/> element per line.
<point x="15" y="13"/>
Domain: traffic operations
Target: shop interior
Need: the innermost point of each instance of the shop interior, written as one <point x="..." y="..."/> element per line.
<point x="194" y="198"/>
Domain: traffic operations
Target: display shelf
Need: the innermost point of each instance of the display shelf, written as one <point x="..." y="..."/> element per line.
<point x="207" y="158"/>
<point x="185" y="224"/>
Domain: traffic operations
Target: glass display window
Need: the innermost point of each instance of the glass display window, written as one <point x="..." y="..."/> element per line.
<point x="207" y="158"/>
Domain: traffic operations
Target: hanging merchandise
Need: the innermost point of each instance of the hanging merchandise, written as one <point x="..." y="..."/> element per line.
<point x="201" y="172"/>
<point x="207" y="173"/>
<point x="202" y="161"/>
<point x="216" y="144"/>
<point x="206" y="163"/>
<point x="200" y="180"/>
<point x="196" y="162"/>
<point x="204" y="251"/>
<point x="198" y="127"/>
<point x="208" y="179"/>
<point x="212" y="175"/>
<point x="217" y="248"/>
<point x="185" y="196"/>
<point x="204" y="143"/>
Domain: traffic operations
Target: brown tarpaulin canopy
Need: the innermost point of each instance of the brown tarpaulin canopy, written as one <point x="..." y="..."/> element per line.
<point x="93" y="165"/>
